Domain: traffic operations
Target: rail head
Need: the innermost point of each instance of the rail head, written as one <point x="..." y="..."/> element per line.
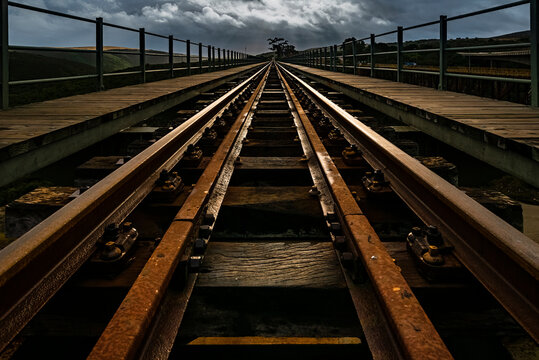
<point x="503" y="259"/>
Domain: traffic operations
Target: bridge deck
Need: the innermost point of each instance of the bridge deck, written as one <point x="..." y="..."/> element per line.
<point x="35" y="135"/>
<point x="501" y="133"/>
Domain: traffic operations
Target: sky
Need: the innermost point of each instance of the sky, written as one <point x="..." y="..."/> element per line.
<point x="247" y="24"/>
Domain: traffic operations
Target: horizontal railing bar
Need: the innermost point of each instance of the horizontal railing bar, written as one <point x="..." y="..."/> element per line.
<point x="45" y="48"/>
<point x="386" y="52"/>
<point x="50" y="12"/>
<point x="486" y="77"/>
<point x="386" y="33"/>
<point x="481" y="47"/>
<point x="157" y="70"/>
<point x="426" y="72"/>
<point x="123" y="73"/>
<point x="411" y="51"/>
<point x="156" y="35"/>
<point x="412" y="27"/>
<point x="120" y="27"/>
<point x="64" y="78"/>
<point x="119" y="52"/>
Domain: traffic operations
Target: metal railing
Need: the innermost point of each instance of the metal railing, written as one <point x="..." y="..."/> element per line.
<point x="225" y="58"/>
<point x="327" y="57"/>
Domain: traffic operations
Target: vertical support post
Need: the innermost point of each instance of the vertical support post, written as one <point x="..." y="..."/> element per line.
<point x="334" y="58"/>
<point x="534" y="52"/>
<point x="330" y="58"/>
<point x="142" y="50"/>
<point x="4" y="43"/>
<point x="213" y="58"/>
<point x="400" y="45"/>
<point x="443" y="55"/>
<point x="373" y="44"/>
<point x="219" y="58"/>
<point x="325" y="58"/>
<point x="171" y="55"/>
<point x="200" y="58"/>
<point x="99" y="52"/>
<point x="354" y="56"/>
<point x="188" y="55"/>
<point x="228" y="58"/>
<point x="209" y="58"/>
<point x="343" y="57"/>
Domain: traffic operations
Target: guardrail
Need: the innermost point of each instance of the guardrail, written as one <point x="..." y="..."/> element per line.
<point x="225" y="58"/>
<point x="326" y="57"/>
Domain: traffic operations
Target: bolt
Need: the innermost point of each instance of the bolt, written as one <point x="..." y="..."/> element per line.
<point x="331" y="216"/>
<point x="126" y="226"/>
<point x="335" y="227"/>
<point x="416" y="231"/>
<point x="378" y="176"/>
<point x="433" y="236"/>
<point x="111" y="232"/>
<point x="209" y="219"/>
<point x="195" y="262"/>
<point x="347" y="259"/>
<point x="200" y="246"/>
<point x="205" y="231"/>
<point x="314" y="191"/>
<point x="340" y="242"/>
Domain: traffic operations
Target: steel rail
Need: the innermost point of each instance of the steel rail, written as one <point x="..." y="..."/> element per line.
<point x="35" y="266"/>
<point x="414" y="332"/>
<point x="503" y="259"/>
<point x="125" y="334"/>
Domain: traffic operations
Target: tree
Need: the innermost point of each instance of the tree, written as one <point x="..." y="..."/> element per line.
<point x="281" y="47"/>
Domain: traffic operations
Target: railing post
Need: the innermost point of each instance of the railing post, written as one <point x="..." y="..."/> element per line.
<point x="534" y="52"/>
<point x="373" y="44"/>
<point x="99" y="53"/>
<point x="142" y="49"/>
<point x="171" y="55"/>
<point x="219" y="58"/>
<point x="227" y="58"/>
<point x="209" y="58"/>
<point x="213" y="58"/>
<point x="443" y="55"/>
<point x="330" y="55"/>
<point x="4" y="39"/>
<point x="334" y="57"/>
<point x="343" y="57"/>
<point x="325" y="58"/>
<point x="399" y="53"/>
<point x="188" y="55"/>
<point x="354" y="56"/>
<point x="200" y="58"/>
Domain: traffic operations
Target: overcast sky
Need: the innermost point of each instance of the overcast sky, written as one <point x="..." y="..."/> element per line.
<point x="240" y="24"/>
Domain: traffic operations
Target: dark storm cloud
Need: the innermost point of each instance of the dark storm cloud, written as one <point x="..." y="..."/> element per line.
<point x="236" y="24"/>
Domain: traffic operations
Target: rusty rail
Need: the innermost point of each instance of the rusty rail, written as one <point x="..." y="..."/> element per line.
<point x="412" y="329"/>
<point x="503" y="259"/>
<point x="35" y="266"/>
<point x="129" y="327"/>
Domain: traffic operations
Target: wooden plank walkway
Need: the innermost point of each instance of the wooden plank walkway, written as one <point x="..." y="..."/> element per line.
<point x="501" y="133"/>
<point x="35" y="135"/>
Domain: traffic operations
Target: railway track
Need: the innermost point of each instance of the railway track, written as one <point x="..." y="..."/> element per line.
<point x="265" y="199"/>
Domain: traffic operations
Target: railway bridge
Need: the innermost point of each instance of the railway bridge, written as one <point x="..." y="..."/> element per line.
<point x="204" y="201"/>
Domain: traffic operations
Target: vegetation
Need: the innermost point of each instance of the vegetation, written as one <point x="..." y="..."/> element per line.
<point x="281" y="47"/>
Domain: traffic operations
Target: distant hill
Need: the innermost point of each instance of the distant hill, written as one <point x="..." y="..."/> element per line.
<point x="511" y="36"/>
<point x="32" y="64"/>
